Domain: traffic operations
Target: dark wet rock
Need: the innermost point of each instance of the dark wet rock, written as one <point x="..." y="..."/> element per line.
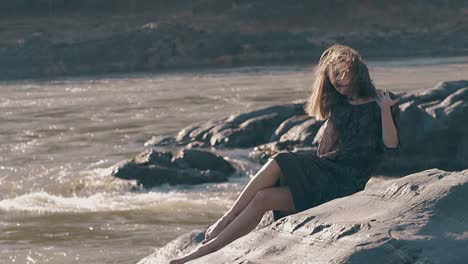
<point x="249" y="133"/>
<point x="433" y="129"/>
<point x="201" y="131"/>
<point x="303" y="133"/>
<point x="184" y="134"/>
<point x="441" y="90"/>
<point x="319" y="134"/>
<point x="253" y="128"/>
<point x="160" y="141"/>
<point x="237" y="131"/>
<point x="261" y="153"/>
<point x="205" y="160"/>
<point x="284" y="111"/>
<point x="152" y="168"/>
<point x="151" y="156"/>
<point x="153" y="175"/>
<point x="196" y="144"/>
<point x="419" y="218"/>
<point x="286" y="125"/>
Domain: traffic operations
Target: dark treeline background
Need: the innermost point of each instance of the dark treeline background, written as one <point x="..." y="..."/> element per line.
<point x="39" y="7"/>
<point x="272" y="7"/>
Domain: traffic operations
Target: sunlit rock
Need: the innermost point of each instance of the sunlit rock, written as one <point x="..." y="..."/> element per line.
<point x="419" y="218"/>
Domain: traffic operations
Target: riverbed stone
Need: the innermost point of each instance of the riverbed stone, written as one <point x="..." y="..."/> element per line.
<point x="205" y="160"/>
<point x="236" y="131"/>
<point x="286" y="125"/>
<point x="191" y="166"/>
<point x="302" y="133"/>
<point x="433" y="129"/>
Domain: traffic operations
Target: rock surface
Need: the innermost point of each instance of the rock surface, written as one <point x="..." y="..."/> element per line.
<point x="435" y="130"/>
<point x="192" y="166"/>
<point x="243" y="130"/>
<point x="420" y="218"/>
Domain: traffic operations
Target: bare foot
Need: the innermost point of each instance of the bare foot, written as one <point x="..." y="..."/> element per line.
<point x="177" y="261"/>
<point x="215" y="229"/>
<point x="199" y="252"/>
<point x="181" y="260"/>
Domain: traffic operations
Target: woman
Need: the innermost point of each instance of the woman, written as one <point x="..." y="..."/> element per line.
<point x="361" y="124"/>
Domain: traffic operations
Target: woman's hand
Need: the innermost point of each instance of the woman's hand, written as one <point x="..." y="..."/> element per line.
<point x="389" y="131"/>
<point x="383" y="99"/>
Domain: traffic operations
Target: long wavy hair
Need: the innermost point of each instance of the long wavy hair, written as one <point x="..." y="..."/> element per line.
<point x="343" y="60"/>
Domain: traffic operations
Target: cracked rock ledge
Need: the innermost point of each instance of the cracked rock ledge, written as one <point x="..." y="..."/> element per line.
<point x="419" y="218"/>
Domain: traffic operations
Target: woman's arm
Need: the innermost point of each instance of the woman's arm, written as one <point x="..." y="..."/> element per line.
<point x="389" y="131"/>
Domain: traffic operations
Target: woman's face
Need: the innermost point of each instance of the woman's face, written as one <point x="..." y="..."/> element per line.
<point x="341" y="81"/>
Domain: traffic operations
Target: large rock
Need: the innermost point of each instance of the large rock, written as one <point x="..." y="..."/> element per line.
<point x="242" y="130"/>
<point x="286" y="125"/>
<point x="420" y="218"/>
<point x="433" y="130"/>
<point x="192" y="166"/>
<point x="302" y="133"/>
<point x="203" y="160"/>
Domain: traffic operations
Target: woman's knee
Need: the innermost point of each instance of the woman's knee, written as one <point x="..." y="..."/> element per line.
<point x="275" y="198"/>
<point x="279" y="158"/>
<point x="261" y="200"/>
<point x="268" y="175"/>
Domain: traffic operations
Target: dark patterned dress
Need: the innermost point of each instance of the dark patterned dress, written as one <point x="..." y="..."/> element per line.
<point x="350" y="150"/>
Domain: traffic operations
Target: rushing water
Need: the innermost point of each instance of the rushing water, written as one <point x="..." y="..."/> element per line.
<point x="59" y="138"/>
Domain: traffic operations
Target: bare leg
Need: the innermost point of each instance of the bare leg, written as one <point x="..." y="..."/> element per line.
<point x="265" y="177"/>
<point x="276" y="198"/>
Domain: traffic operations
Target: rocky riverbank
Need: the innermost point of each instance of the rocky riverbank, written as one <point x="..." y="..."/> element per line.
<point x="433" y="134"/>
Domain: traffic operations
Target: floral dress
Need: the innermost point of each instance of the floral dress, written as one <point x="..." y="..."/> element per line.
<point x="350" y="150"/>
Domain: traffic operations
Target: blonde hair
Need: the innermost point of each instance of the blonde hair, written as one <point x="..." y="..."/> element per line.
<point x="337" y="59"/>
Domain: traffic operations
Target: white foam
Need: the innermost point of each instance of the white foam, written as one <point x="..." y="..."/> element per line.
<point x="43" y="202"/>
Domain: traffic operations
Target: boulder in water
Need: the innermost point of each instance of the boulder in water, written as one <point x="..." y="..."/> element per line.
<point x="152" y="168"/>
